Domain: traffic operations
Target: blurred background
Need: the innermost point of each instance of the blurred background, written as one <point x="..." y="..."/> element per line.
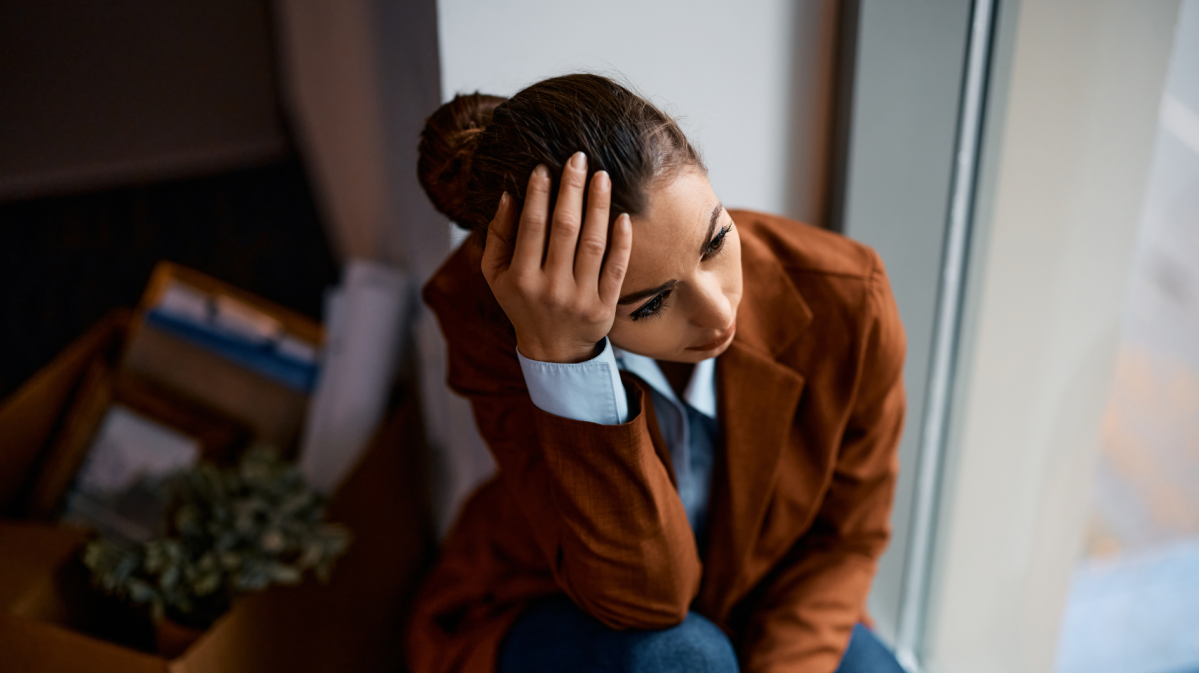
<point x="1028" y="170"/>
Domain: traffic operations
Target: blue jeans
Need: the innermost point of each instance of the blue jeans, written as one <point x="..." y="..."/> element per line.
<point x="557" y="636"/>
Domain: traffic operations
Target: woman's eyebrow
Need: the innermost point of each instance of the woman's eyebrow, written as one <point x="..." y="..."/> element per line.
<point x="642" y="294"/>
<point x="712" y="226"/>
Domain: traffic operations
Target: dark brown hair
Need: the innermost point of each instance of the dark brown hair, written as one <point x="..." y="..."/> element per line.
<point x="476" y="146"/>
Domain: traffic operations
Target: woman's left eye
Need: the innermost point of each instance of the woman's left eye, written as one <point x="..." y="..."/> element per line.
<point x="717" y="241"/>
<point x="651" y="308"/>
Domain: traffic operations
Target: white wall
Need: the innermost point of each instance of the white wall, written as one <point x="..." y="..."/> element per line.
<point x="1066" y="161"/>
<point x="729" y="68"/>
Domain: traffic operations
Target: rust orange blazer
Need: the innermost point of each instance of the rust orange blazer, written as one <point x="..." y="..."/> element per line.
<point x="810" y="403"/>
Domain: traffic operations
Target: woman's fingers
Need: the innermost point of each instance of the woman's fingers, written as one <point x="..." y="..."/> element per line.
<point x="497" y="254"/>
<point x="612" y="277"/>
<point x="559" y="310"/>
<point x="593" y="241"/>
<point x="530" y="237"/>
<point x="568" y="218"/>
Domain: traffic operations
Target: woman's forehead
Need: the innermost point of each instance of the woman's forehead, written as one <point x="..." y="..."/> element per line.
<point x="669" y="238"/>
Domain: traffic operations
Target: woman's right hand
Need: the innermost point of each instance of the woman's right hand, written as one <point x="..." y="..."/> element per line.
<point x="557" y="288"/>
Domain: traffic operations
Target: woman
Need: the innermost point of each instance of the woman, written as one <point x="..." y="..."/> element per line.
<point x="694" y="411"/>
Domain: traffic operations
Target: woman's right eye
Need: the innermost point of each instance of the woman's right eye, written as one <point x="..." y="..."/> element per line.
<point x="652" y="307"/>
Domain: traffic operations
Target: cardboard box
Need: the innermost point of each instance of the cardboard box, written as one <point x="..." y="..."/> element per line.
<point x="49" y="617"/>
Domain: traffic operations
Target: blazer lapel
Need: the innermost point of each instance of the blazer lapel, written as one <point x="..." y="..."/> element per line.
<point x="757" y="397"/>
<point x="755" y="412"/>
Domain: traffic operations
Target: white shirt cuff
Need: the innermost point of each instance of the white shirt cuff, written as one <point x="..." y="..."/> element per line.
<point x="585" y="391"/>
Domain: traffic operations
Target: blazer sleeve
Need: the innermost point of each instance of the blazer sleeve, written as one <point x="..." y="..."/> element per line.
<point x="809" y="604"/>
<point x="598" y="499"/>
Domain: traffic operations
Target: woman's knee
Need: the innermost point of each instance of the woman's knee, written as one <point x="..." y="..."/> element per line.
<point x="868" y="654"/>
<point x="559" y="636"/>
<point x="695" y="645"/>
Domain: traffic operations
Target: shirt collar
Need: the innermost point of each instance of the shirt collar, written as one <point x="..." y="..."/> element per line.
<point x="700" y="393"/>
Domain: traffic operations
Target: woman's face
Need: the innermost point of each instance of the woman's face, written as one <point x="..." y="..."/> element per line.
<point x="681" y="292"/>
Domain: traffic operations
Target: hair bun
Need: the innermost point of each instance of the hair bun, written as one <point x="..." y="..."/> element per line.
<point x="447" y="144"/>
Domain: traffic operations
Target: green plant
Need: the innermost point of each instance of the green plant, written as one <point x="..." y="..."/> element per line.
<point x="228" y="532"/>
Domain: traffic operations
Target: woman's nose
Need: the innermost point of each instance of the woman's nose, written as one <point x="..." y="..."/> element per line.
<point x="713" y="309"/>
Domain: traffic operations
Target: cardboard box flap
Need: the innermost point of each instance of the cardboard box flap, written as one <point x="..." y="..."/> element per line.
<point x="32" y="554"/>
<point x="29" y="416"/>
<point x="36" y="646"/>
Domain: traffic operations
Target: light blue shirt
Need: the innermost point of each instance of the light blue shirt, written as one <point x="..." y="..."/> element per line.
<point x="591" y="391"/>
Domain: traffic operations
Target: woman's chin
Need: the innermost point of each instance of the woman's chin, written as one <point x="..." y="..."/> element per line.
<point x="690" y="355"/>
<point x="697" y="356"/>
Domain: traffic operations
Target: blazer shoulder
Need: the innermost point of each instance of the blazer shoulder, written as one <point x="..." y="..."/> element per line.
<point x="458" y="291"/>
<point x="803" y="249"/>
<point x="454" y="278"/>
<point x="841" y="299"/>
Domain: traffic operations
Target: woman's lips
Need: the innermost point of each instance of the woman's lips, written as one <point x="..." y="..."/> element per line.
<point x="721" y="340"/>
